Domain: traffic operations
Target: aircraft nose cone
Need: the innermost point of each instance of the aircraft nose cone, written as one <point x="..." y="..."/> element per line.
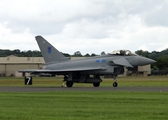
<point x="145" y="61"/>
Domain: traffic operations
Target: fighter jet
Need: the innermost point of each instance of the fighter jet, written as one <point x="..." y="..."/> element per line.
<point x="87" y="70"/>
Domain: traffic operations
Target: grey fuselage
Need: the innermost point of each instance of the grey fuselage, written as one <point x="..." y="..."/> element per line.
<point x="105" y="61"/>
<point x="86" y="70"/>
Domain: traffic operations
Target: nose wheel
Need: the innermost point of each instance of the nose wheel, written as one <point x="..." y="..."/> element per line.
<point x="115" y="84"/>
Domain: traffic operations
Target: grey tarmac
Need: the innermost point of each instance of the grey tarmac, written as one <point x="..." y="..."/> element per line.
<point x="53" y="89"/>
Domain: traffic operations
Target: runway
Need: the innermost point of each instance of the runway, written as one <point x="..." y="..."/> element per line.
<point x="52" y="89"/>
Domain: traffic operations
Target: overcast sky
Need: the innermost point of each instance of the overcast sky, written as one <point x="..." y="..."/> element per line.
<point x="88" y="26"/>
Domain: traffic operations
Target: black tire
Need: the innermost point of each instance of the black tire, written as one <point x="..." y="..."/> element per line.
<point x="115" y="84"/>
<point x="69" y="83"/>
<point x="96" y="84"/>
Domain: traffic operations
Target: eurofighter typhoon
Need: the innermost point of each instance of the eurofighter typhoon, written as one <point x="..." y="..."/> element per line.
<point x="87" y="70"/>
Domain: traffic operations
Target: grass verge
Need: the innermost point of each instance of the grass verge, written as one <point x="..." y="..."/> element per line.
<point x="84" y="105"/>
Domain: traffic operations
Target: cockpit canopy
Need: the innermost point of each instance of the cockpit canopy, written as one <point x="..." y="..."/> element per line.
<point x="123" y="53"/>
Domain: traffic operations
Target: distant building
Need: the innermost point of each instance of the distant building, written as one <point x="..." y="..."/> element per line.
<point x="10" y="65"/>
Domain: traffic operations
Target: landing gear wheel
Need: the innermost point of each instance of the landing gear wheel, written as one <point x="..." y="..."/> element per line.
<point x="115" y="84"/>
<point x="69" y="83"/>
<point x="96" y="84"/>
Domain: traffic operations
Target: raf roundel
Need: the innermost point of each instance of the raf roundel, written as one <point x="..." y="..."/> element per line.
<point x="49" y="49"/>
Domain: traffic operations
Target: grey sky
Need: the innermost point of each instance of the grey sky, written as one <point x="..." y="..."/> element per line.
<point x="89" y="26"/>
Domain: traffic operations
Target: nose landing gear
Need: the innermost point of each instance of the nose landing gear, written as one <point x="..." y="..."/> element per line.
<point x="115" y="84"/>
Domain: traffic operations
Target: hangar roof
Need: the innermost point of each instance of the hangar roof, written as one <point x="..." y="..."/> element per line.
<point x="15" y="59"/>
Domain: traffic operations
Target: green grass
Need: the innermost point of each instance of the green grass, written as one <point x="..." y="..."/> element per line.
<point x="68" y="105"/>
<point x="84" y="105"/>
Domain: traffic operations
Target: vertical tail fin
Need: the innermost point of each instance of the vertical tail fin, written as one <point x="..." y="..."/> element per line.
<point x="50" y="53"/>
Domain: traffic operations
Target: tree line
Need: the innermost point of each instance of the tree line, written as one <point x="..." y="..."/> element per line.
<point x="36" y="53"/>
<point x="160" y="57"/>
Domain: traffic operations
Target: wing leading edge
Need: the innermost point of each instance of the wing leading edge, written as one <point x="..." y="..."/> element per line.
<point x="62" y="70"/>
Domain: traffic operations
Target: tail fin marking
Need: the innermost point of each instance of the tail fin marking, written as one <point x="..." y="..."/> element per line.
<point x="49" y="52"/>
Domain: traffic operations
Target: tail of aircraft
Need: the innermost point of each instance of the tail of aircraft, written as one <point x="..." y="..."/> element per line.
<point x="50" y="53"/>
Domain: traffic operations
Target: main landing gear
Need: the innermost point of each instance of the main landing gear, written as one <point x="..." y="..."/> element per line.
<point x="96" y="84"/>
<point x="69" y="83"/>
